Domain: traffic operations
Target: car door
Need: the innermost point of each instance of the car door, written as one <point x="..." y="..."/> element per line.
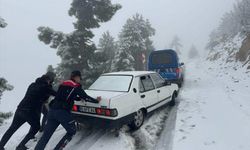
<point x="163" y="91"/>
<point x="148" y="93"/>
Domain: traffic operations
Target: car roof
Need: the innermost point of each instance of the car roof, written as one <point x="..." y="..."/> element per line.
<point x="131" y="73"/>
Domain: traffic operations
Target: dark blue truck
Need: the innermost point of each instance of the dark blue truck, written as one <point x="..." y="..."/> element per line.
<point x="166" y="63"/>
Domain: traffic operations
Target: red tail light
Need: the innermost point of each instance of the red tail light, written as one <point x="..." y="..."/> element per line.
<point x="99" y="111"/>
<point x="178" y="70"/>
<point x="75" y="108"/>
<point x="106" y="112"/>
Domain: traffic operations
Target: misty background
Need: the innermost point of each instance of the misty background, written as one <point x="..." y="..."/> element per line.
<point x="23" y="57"/>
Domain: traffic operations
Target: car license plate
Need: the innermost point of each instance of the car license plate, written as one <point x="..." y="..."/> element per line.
<point x="87" y="110"/>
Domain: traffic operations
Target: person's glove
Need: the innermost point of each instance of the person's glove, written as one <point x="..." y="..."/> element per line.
<point x="99" y="98"/>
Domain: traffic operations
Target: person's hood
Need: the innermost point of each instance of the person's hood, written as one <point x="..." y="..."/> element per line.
<point x="41" y="80"/>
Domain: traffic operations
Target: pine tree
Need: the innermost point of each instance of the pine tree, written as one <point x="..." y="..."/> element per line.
<point x="123" y="61"/>
<point x="107" y="49"/>
<point x="193" y="52"/>
<point x="76" y="49"/>
<point x="176" y="45"/>
<point x="134" y="44"/>
<point x="104" y="55"/>
<point x="4" y="86"/>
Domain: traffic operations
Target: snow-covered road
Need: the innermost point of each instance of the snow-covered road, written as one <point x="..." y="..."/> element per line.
<point x="213" y="113"/>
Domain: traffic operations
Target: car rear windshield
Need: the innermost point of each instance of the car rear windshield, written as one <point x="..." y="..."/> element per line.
<point x="162" y="58"/>
<point x="116" y="83"/>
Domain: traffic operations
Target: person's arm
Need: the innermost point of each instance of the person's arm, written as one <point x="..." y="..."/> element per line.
<point x="51" y="91"/>
<point x="83" y="95"/>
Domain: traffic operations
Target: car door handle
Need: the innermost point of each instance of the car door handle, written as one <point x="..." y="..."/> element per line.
<point x="158" y="91"/>
<point x="143" y="96"/>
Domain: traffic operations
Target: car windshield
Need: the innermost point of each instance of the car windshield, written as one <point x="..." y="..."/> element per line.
<point x="117" y="83"/>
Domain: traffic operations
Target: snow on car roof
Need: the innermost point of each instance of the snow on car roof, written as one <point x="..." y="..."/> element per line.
<point x="133" y="73"/>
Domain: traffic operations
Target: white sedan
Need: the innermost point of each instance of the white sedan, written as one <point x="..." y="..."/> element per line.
<point x="126" y="98"/>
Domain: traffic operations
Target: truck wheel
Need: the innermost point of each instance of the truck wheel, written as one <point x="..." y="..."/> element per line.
<point x="172" y="102"/>
<point x="138" y="120"/>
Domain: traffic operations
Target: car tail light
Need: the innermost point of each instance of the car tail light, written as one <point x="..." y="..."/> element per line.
<point x="106" y="112"/>
<point x="75" y="108"/>
<point x="99" y="111"/>
<point x="178" y="70"/>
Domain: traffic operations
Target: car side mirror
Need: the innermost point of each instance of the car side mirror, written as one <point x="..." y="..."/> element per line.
<point x="134" y="89"/>
<point x="182" y="64"/>
<point x="167" y="83"/>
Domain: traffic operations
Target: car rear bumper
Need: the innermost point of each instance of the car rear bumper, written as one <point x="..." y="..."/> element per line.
<point x="102" y="122"/>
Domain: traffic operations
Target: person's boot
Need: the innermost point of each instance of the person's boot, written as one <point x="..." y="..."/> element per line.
<point x="21" y="147"/>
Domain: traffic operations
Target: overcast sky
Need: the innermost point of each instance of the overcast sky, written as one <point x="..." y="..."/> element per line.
<point x="23" y="57"/>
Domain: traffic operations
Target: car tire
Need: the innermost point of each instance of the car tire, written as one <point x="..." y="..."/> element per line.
<point x="138" y="120"/>
<point x="172" y="102"/>
<point x="180" y="83"/>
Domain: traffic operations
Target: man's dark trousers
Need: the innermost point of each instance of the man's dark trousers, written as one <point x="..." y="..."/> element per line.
<point x="21" y="117"/>
<point x="55" y="118"/>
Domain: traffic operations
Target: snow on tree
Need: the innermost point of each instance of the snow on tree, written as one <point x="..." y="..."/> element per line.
<point x="193" y="52"/>
<point x="3" y="24"/>
<point x="135" y="44"/>
<point x="104" y="55"/>
<point x="4" y="86"/>
<point x="234" y="23"/>
<point x="123" y="61"/>
<point x="76" y="49"/>
<point x="176" y="45"/>
<point x="107" y="48"/>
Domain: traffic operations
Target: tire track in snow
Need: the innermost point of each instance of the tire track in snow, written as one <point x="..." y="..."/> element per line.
<point x="148" y="135"/>
<point x="86" y="139"/>
<point x="166" y="139"/>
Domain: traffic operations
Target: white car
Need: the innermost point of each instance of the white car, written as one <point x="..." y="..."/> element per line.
<point x="126" y="98"/>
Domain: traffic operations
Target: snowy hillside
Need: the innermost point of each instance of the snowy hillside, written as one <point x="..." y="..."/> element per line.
<point x="226" y="54"/>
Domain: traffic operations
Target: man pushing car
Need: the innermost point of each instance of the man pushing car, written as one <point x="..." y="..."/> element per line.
<point x="29" y="109"/>
<point x="60" y="111"/>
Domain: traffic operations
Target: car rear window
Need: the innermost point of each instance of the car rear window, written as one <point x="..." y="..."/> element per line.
<point x="161" y="58"/>
<point x="116" y="83"/>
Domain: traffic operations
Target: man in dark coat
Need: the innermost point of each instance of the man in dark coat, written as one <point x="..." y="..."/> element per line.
<point x="29" y="110"/>
<point x="60" y="111"/>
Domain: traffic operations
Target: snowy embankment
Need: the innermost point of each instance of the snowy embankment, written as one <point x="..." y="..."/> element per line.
<point x="214" y="113"/>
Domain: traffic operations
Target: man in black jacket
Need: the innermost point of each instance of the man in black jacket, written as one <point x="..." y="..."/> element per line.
<point x="29" y="110"/>
<point x="60" y="111"/>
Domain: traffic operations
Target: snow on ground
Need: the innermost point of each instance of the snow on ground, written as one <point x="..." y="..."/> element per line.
<point x="94" y="139"/>
<point x="214" y="113"/>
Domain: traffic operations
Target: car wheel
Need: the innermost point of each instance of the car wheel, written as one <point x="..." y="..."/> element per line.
<point x="138" y="120"/>
<point x="180" y="83"/>
<point x="172" y="102"/>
